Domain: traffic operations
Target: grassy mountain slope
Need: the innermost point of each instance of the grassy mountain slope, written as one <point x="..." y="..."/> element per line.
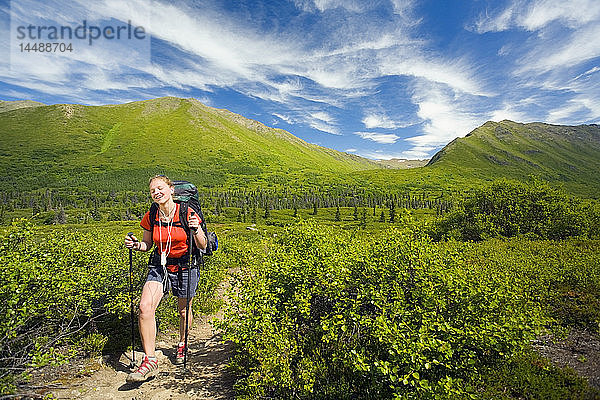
<point x="568" y="156"/>
<point x="119" y="147"/>
<point x="13" y="105"/>
<point x="560" y="152"/>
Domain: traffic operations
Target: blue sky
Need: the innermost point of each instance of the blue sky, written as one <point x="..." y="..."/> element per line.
<point x="381" y="79"/>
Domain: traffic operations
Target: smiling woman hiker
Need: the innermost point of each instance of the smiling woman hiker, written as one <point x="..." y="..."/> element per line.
<point x="167" y="267"/>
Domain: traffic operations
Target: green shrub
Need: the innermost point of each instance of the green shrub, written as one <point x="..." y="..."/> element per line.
<point x="93" y="344"/>
<point x="563" y="275"/>
<point x="324" y="314"/>
<point x="510" y="208"/>
<point x="57" y="288"/>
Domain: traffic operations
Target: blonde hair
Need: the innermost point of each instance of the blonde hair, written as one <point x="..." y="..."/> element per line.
<point x="163" y="178"/>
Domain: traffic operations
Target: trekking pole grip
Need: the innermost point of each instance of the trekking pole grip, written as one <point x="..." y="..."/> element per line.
<point x="130" y="234"/>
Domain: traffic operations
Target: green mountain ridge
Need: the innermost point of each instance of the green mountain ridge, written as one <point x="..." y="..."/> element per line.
<point x="13" y="105"/>
<point x="565" y="156"/>
<point x="106" y="146"/>
<point x="117" y="147"/>
<point x="507" y="148"/>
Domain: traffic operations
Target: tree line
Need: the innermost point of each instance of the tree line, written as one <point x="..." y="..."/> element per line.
<point x="52" y="205"/>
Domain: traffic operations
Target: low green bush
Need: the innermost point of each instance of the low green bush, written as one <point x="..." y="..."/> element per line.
<point x="324" y="314"/>
<point x="563" y="275"/>
<point x="511" y="208"/>
<point x="58" y="289"/>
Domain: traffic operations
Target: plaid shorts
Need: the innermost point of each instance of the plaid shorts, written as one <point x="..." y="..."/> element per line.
<point x="177" y="281"/>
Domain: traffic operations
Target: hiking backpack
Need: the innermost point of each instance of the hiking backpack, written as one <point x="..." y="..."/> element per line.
<point x="186" y="195"/>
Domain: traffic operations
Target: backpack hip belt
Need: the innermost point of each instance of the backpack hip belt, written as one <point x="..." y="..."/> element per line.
<point x="182" y="261"/>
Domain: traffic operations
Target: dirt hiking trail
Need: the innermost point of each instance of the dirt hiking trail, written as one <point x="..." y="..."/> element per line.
<point x="206" y="376"/>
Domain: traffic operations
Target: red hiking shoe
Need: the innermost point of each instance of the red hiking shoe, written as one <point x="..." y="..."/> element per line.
<point x="147" y="369"/>
<point x="180" y="353"/>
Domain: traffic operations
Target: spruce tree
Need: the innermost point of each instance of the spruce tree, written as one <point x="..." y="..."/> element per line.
<point x="363" y="218"/>
<point x="95" y="212"/>
<point x="61" y="216"/>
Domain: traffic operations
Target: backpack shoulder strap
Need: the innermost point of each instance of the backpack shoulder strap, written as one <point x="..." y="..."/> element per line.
<point x="183" y="219"/>
<point x="183" y="211"/>
<point x="153" y="212"/>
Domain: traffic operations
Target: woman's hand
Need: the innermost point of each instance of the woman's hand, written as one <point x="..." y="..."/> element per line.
<point x="130" y="242"/>
<point x="194" y="222"/>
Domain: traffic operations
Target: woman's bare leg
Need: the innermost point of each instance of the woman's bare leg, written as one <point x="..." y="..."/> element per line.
<point x="181" y="307"/>
<point x="151" y="295"/>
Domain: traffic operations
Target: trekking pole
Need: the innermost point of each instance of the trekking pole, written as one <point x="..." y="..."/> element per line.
<point x="187" y="304"/>
<point x="132" y="363"/>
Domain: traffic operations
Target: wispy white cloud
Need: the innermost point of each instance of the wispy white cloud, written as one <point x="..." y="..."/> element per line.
<point x="228" y="47"/>
<point x="500" y="22"/>
<point x="240" y="55"/>
<point x="444" y="118"/>
<point x="572" y="13"/>
<point x="550" y="49"/>
<point x="385" y="138"/>
<point x="588" y="72"/>
<point x="555" y="61"/>
<point x="378" y="120"/>
<point x="98" y="68"/>
<point x="322" y="121"/>
<point x="534" y="15"/>
<point x="504" y="50"/>
<point x="564" y="52"/>
<point x="322" y="126"/>
<point x="583" y="107"/>
<point x="283" y="118"/>
<point x="403" y="7"/>
<point x="509" y="112"/>
<point x="323" y="116"/>
<point x="456" y="74"/>
<point x="561" y="114"/>
<point x="319" y="120"/>
<point x="324" y="5"/>
<point x="591" y="107"/>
